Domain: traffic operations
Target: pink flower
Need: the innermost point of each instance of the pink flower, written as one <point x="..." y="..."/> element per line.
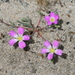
<point x="52" y="18"/>
<point x="51" y="49"/>
<point x="18" y="37"/>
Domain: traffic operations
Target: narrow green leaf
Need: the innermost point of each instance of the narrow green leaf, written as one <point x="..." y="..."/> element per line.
<point x="41" y="13"/>
<point x="57" y="26"/>
<point x="25" y="24"/>
<point x="13" y="24"/>
<point x="25" y="20"/>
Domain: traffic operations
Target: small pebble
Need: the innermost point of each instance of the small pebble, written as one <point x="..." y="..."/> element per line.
<point x="73" y="47"/>
<point x="67" y="23"/>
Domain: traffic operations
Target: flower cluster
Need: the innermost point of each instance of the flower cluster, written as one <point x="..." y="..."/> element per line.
<point x="50" y="49"/>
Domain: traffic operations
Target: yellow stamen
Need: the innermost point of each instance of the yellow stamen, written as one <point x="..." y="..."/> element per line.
<point x="20" y="38"/>
<point x="52" y="50"/>
<point x="52" y="19"/>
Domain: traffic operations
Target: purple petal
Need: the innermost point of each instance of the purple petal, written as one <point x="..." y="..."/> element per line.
<point x="12" y="41"/>
<point x="47" y="44"/>
<point x="46" y="18"/>
<point x="21" y="44"/>
<point x="56" y="17"/>
<point x="58" y="52"/>
<point x="20" y="30"/>
<point x="13" y="34"/>
<point x="52" y="14"/>
<point x="55" y="44"/>
<point x="55" y="22"/>
<point x="44" y="50"/>
<point x="49" y="23"/>
<point x="50" y="56"/>
<point x="26" y="37"/>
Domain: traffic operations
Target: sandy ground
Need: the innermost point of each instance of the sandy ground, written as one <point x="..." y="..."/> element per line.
<point x="17" y="61"/>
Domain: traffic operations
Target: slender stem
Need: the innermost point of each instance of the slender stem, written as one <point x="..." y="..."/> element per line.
<point x="31" y="24"/>
<point x="38" y="30"/>
<point x="14" y="26"/>
<point x="38" y="34"/>
<point x="39" y="21"/>
<point x="41" y="36"/>
<point x="33" y="32"/>
<point x="42" y="28"/>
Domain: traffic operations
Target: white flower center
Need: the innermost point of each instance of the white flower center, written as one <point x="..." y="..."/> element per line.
<point x="52" y="19"/>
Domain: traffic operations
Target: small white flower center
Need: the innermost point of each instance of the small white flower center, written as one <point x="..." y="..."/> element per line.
<point x="52" y="19"/>
<point x="20" y="38"/>
<point x="52" y="50"/>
